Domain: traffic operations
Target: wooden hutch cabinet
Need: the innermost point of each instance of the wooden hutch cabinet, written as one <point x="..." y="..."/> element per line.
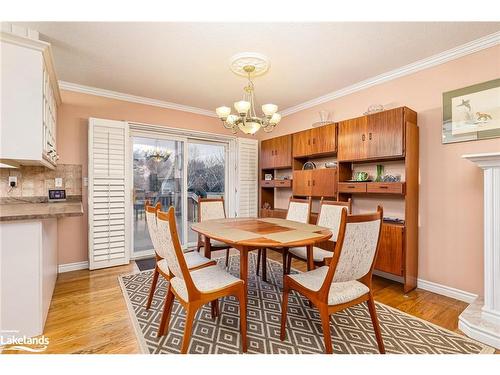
<point x="390" y="137"/>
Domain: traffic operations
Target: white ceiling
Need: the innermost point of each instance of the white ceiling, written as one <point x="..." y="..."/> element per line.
<point x="187" y="63"/>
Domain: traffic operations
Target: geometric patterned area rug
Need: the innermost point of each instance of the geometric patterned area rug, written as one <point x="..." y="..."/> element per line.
<point x="351" y="329"/>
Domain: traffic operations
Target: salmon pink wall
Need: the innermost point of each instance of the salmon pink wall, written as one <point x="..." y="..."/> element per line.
<point x="451" y="196"/>
<point x="72" y="130"/>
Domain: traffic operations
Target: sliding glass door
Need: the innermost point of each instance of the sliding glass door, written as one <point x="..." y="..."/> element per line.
<point x="176" y="172"/>
<point x="206" y="177"/>
<point x="158" y="176"/>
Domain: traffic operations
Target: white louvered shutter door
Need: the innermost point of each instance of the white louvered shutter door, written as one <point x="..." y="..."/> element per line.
<point x="108" y="193"/>
<point x="247" y="194"/>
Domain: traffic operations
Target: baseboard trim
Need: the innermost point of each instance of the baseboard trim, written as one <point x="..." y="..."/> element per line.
<point x="68" y="267"/>
<point x="388" y="276"/>
<point x="430" y="286"/>
<point x="447" y="291"/>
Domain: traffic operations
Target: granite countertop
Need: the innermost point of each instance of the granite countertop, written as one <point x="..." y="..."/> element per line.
<point x="24" y="210"/>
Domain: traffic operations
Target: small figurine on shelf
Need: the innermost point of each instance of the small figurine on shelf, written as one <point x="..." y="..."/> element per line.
<point x="268" y="177"/>
<point x="266" y="206"/>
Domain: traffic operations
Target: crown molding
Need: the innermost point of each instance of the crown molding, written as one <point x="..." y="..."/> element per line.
<point x="440" y="58"/>
<point x="63" y="85"/>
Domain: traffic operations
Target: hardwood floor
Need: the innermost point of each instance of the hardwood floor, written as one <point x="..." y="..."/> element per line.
<point x="88" y="312"/>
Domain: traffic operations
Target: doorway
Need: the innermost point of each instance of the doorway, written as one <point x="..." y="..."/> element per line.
<point x="175" y="171"/>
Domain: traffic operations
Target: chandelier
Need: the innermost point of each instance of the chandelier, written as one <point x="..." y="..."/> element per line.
<point x="156" y="154"/>
<point x="246" y="119"/>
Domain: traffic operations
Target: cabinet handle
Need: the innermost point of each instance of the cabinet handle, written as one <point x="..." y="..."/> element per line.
<point x="370" y="136"/>
<point x="363" y="137"/>
<point x="383" y="187"/>
<point x="272" y="152"/>
<point x="275" y="152"/>
<point x="351" y="187"/>
<point x="308" y="183"/>
<point x="309" y="142"/>
<point x="314" y="182"/>
<point x="314" y="141"/>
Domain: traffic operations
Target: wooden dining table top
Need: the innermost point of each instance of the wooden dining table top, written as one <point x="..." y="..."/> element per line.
<point x="262" y="232"/>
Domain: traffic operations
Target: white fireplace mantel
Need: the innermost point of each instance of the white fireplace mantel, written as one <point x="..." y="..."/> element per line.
<point x="481" y="320"/>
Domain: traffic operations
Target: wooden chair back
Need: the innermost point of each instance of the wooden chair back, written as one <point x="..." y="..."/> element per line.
<point x="299" y="210"/>
<point x="211" y="209"/>
<point x="168" y="239"/>
<point x="330" y="214"/>
<point x="355" y="251"/>
<point x="152" y="226"/>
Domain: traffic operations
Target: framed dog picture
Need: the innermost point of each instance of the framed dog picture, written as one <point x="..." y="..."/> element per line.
<point x="472" y="113"/>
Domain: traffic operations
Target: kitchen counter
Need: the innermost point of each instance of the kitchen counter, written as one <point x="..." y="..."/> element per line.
<point x="21" y="210"/>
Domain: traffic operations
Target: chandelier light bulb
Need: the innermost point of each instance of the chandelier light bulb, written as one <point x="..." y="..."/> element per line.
<point x="275" y="118"/>
<point x="223" y="112"/>
<point x="231" y="119"/>
<point x="249" y="127"/>
<point x="242" y="107"/>
<point x="269" y="109"/>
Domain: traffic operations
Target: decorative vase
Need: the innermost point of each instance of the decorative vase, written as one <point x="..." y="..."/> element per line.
<point x="380" y="172"/>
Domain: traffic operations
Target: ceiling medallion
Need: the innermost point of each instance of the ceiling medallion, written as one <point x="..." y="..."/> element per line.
<point x="250" y="65"/>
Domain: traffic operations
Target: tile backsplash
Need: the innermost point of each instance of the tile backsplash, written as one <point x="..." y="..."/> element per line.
<point x="35" y="181"/>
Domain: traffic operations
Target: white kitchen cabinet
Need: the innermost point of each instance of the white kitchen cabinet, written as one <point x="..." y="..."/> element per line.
<point x="29" y="99"/>
<point x="28" y="273"/>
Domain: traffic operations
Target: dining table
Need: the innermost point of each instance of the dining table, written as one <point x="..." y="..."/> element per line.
<point x="247" y="234"/>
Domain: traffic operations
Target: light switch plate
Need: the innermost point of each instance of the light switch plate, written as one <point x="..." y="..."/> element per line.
<point x="58" y="182"/>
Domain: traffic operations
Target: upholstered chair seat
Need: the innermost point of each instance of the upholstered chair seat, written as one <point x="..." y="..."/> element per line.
<point x="319" y="254"/>
<point x="218" y="244"/>
<point x="193" y="260"/>
<point x="206" y="280"/>
<point x="340" y="292"/>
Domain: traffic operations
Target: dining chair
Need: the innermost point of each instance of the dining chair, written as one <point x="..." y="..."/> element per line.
<point x="194" y="259"/>
<point x="347" y="281"/>
<point x="211" y="209"/>
<point x="329" y="216"/>
<point x="298" y="210"/>
<point x="195" y="288"/>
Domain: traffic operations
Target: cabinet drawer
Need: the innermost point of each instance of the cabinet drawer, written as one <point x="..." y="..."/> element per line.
<point x="385" y="187"/>
<point x="267" y="183"/>
<point x="352" y="187"/>
<point x="283" y="183"/>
